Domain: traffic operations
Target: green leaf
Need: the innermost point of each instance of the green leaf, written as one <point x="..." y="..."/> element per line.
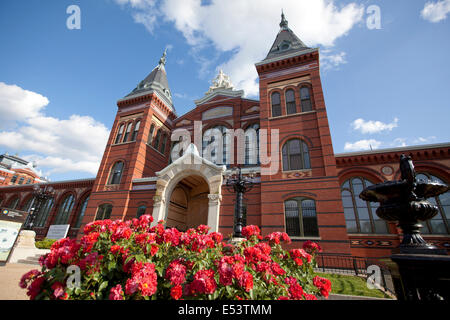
<point x="103" y="285"/>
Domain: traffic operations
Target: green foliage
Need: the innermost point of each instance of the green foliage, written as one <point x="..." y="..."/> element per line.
<point x="45" y="244"/>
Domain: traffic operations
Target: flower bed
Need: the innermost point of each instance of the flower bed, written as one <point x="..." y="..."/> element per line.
<point x="130" y="260"/>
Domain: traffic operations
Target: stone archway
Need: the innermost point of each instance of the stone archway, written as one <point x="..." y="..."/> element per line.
<point x="189" y="165"/>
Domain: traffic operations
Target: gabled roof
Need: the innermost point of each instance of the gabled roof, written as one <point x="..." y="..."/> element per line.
<point x="286" y="43"/>
<point x="156" y="82"/>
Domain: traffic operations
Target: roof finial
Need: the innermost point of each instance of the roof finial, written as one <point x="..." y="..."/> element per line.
<point x="284" y="22"/>
<point x="162" y="61"/>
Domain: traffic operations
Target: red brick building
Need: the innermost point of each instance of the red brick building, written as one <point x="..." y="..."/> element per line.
<point x="301" y="186"/>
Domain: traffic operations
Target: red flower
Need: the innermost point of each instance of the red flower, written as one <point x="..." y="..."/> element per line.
<point x="300" y="253"/>
<point x="250" y="231"/>
<point x="116" y="293"/>
<point x="176" y="292"/>
<point x="35" y="288"/>
<point x="311" y="247"/>
<point x="27" y="277"/>
<point x="204" y="282"/>
<point x="296" y="291"/>
<point x="246" y="281"/>
<point x="58" y="290"/>
<point x="176" y="272"/>
<point x="324" y="285"/>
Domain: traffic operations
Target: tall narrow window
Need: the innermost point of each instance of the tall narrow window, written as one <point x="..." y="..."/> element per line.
<point x="14" y="179"/>
<point x="360" y="215"/>
<point x="440" y="223"/>
<point x="64" y="210"/>
<point x="28" y="204"/>
<point x="150" y="134"/>
<point x="295" y="155"/>
<point x="119" y="134"/>
<point x="116" y="173"/>
<point x="157" y="139"/>
<point x="136" y="130"/>
<point x="305" y="97"/>
<point x="163" y="143"/>
<point x="44" y="211"/>
<point x="140" y="211"/>
<point x="252" y="144"/>
<point x="13" y="203"/>
<point x="21" y="180"/>
<point x="81" y="212"/>
<point x="290" y="102"/>
<point x="104" y="212"/>
<point x="127" y="133"/>
<point x="212" y="152"/>
<point x="276" y="104"/>
<point x="301" y="217"/>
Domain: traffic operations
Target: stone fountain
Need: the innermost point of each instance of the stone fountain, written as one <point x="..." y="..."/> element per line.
<point x="420" y="270"/>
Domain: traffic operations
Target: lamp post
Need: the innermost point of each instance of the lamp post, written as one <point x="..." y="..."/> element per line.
<point x="240" y="184"/>
<point x="40" y="195"/>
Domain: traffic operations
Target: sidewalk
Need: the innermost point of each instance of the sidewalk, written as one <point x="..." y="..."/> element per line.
<point x="10" y="275"/>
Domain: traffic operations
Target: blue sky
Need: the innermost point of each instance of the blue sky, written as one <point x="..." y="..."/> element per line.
<point x="383" y="88"/>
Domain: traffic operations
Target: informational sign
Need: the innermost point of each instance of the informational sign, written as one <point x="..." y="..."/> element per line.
<point x="58" y="231"/>
<point x="10" y="224"/>
<point x="9" y="231"/>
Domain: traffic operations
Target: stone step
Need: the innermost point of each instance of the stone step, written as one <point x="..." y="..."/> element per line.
<point x="30" y="262"/>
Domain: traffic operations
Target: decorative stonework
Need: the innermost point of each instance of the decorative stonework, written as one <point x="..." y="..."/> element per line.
<point x="189" y="164"/>
<point x="222" y="81"/>
<point x="387" y="170"/>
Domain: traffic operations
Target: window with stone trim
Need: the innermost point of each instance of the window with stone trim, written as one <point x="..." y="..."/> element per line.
<point x="276" y="104"/>
<point x="136" y="130"/>
<point x="295" y="155"/>
<point x="163" y="143"/>
<point x="440" y="223"/>
<point x="291" y="107"/>
<point x="157" y="139"/>
<point x="116" y="173"/>
<point x="119" y="134"/>
<point x="209" y="137"/>
<point x="360" y="215"/>
<point x="140" y="211"/>
<point x="13" y="203"/>
<point x="127" y="132"/>
<point x="81" y="212"/>
<point x="44" y="212"/>
<point x="14" y="179"/>
<point x="305" y="99"/>
<point x="104" y="212"/>
<point x="252" y="145"/>
<point x="150" y="134"/>
<point x="301" y="217"/>
<point x="64" y="210"/>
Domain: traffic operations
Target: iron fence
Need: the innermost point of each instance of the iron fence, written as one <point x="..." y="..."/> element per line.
<point x="355" y="266"/>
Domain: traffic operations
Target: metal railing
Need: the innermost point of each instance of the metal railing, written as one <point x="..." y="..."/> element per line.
<point x="355" y="266"/>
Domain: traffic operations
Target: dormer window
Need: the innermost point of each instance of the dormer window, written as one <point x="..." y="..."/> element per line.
<point x="285" y="45"/>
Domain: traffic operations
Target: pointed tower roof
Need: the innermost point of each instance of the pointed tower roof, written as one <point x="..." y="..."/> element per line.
<point x="156" y="82"/>
<point x="286" y="43"/>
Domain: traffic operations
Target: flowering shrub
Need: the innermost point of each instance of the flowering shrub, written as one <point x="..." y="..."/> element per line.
<point x="121" y="260"/>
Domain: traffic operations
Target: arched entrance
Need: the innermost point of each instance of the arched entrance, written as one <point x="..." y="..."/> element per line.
<point x="188" y="205"/>
<point x="188" y="192"/>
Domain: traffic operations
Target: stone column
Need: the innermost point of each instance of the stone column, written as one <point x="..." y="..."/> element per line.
<point x="213" y="211"/>
<point x="159" y="209"/>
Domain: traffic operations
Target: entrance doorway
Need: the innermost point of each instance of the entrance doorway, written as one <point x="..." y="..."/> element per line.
<point x="188" y="205"/>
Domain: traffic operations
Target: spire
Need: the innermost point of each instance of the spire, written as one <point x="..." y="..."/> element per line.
<point x="284" y="22"/>
<point x="157" y="82"/>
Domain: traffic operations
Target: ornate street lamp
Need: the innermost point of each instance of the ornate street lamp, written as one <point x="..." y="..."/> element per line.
<point x="40" y="195"/>
<point x="240" y="184"/>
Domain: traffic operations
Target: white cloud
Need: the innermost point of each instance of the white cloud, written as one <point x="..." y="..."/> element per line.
<point x="422" y="140"/>
<point x="436" y="11"/>
<point x="69" y="145"/>
<point x="247" y="28"/>
<point x="17" y="104"/>
<point x="330" y="60"/>
<point x="373" y="126"/>
<point x="362" y="145"/>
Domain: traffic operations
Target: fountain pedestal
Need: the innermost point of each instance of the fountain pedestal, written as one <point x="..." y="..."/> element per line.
<point x="420" y="271"/>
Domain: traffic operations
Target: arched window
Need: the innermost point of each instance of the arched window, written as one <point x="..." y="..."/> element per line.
<point x="136" y="130"/>
<point x="13" y="202"/>
<point x="163" y="143"/>
<point x="127" y="133"/>
<point x="252" y="144"/>
<point x="150" y="134"/>
<point x="14" y="179"/>
<point x="27" y="206"/>
<point x="290" y="102"/>
<point x="104" y="212"/>
<point x="116" y="173"/>
<point x="119" y="134"/>
<point x="295" y="155"/>
<point x="157" y="138"/>
<point x="276" y="104"/>
<point x="301" y="217"/>
<point x="44" y="211"/>
<point x="64" y="210"/>
<point x="440" y="223"/>
<point x="81" y="212"/>
<point x="21" y="180"/>
<point x="140" y="211"/>
<point x="305" y="97"/>
<point x="360" y="215"/>
<point x="210" y="153"/>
